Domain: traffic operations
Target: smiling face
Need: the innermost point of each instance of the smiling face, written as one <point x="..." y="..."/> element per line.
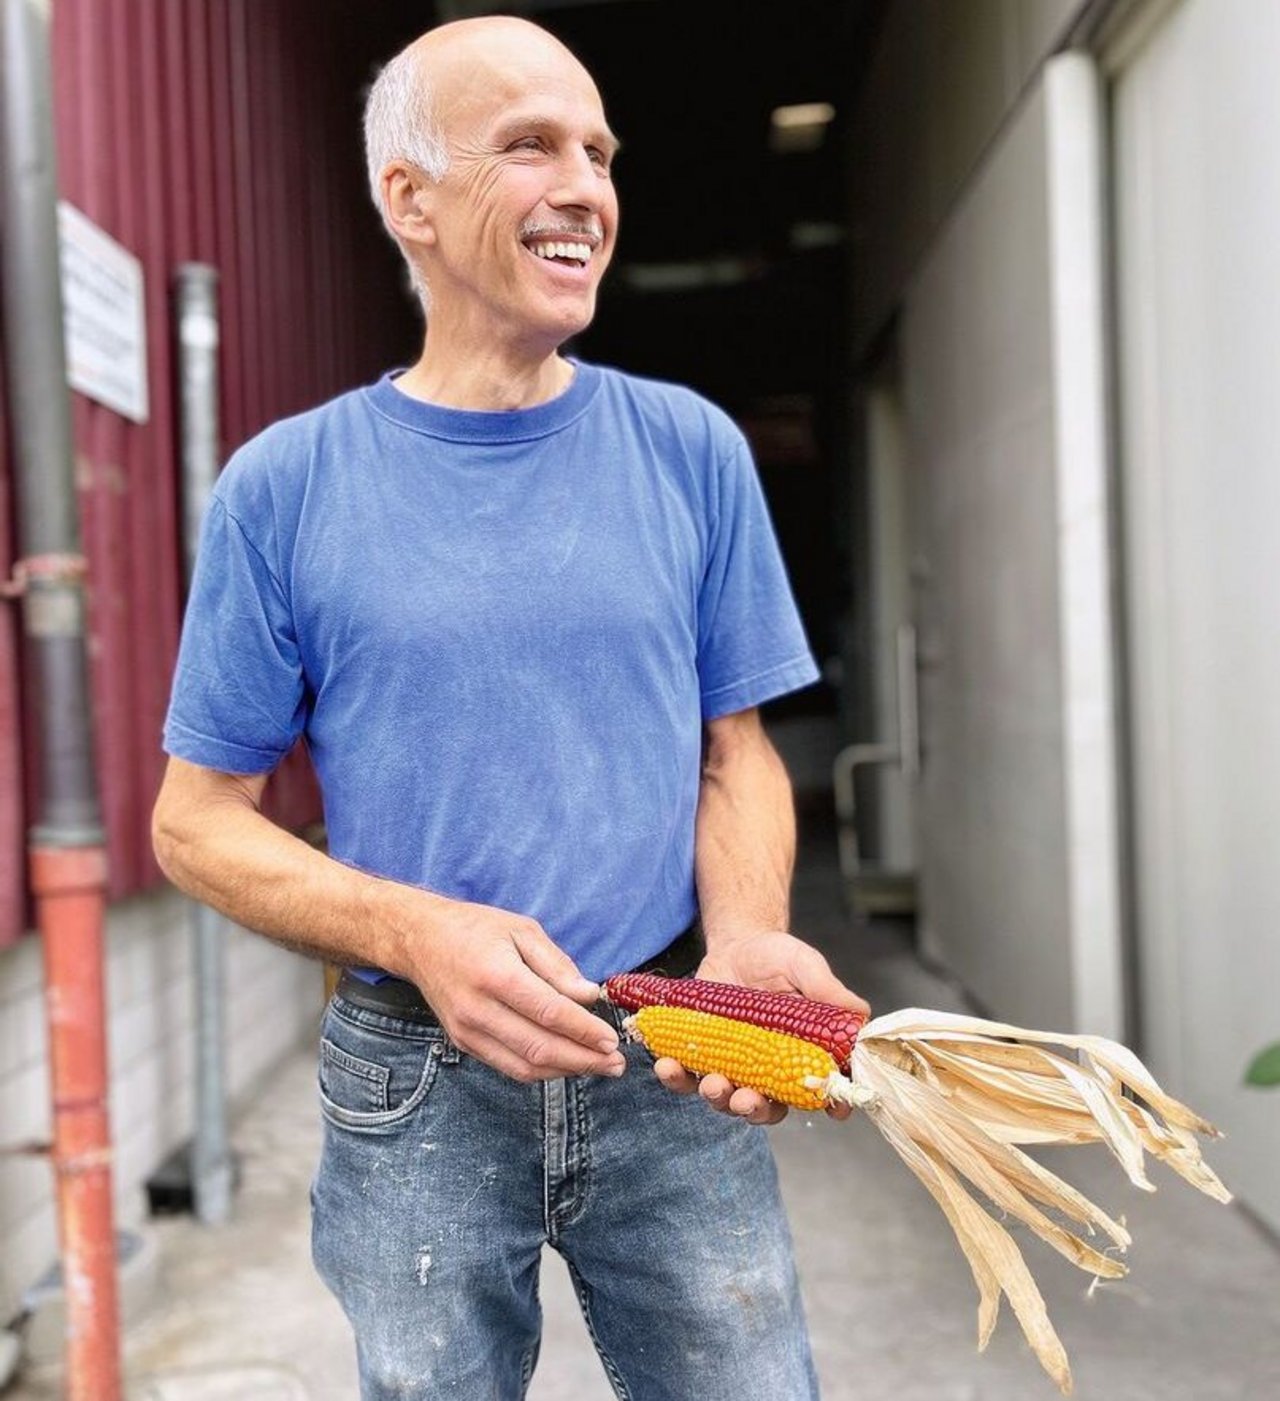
<point x="518" y="233"/>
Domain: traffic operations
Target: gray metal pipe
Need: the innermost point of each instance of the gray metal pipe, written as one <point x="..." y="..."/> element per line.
<point x="196" y="298"/>
<point x="65" y="844"/>
<point x="212" y="1168"/>
<point x="51" y="565"/>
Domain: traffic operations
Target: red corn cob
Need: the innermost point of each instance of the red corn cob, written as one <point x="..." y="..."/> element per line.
<point x="835" y="1029"/>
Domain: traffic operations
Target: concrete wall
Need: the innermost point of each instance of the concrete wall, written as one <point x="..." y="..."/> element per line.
<point x="275" y="999"/>
<point x="991" y="253"/>
<point x="889" y="549"/>
<point x="944" y="77"/>
<point x="1198" y="219"/>
<point x="979" y="255"/>
<point x="978" y="377"/>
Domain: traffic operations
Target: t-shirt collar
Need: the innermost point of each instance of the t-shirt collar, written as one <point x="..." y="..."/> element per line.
<point x="484" y="426"/>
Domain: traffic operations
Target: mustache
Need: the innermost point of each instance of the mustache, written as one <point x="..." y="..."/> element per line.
<point x="590" y="231"/>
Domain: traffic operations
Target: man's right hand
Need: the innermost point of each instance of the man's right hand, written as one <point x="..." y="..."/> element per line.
<point x="506" y="994"/>
<point x="503" y="991"/>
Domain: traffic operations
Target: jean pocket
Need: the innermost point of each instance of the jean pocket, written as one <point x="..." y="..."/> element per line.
<point x="374" y="1076"/>
<point x="358" y="1086"/>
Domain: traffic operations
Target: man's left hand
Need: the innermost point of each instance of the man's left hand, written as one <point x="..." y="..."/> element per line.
<point x="781" y="963"/>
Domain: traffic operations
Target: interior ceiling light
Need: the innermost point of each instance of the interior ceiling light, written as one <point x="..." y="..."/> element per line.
<point x="816" y="234"/>
<point x="800" y="126"/>
<point x="803" y="114"/>
<point x="687" y="277"/>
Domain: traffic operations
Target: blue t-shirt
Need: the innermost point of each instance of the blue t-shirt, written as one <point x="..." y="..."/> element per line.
<point x="500" y="634"/>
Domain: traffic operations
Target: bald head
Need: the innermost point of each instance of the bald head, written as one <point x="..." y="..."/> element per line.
<point x="416" y="97"/>
<point x="489" y="37"/>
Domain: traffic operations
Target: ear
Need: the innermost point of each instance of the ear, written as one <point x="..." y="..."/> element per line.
<point x="408" y="203"/>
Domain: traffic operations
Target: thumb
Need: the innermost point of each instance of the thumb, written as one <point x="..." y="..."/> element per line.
<point x="817" y="981"/>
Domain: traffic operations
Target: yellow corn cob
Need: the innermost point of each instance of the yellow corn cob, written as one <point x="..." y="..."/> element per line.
<point x="776" y="1064"/>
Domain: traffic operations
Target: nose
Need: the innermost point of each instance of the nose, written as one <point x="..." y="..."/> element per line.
<point x="580" y="182"/>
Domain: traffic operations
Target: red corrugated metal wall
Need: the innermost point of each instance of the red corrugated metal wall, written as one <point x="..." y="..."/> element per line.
<point x="224" y="131"/>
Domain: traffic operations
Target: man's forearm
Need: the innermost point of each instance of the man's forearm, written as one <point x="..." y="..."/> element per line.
<point x="499" y="985"/>
<point x="746" y="838"/>
<point x="224" y="852"/>
<point x="744" y="856"/>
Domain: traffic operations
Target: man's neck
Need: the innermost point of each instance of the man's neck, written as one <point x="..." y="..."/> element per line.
<point x="486" y="382"/>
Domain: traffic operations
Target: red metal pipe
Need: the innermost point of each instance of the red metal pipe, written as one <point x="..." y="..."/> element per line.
<point x="69" y="884"/>
<point x="67" y="860"/>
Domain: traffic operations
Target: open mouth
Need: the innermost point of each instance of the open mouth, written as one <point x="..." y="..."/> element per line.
<point x="569" y="253"/>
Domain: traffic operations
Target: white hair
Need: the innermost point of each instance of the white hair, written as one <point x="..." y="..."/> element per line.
<point x="400" y="124"/>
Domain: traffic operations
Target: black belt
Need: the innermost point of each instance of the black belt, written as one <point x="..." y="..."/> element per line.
<point x="397" y="998"/>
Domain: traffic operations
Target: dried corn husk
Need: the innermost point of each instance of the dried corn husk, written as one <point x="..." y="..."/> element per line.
<point x="955" y="1096"/>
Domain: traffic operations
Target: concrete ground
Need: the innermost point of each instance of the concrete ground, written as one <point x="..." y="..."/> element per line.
<point x="891" y="1301"/>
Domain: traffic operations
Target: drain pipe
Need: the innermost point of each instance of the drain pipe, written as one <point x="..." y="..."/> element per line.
<point x="212" y="1169"/>
<point x="67" y="858"/>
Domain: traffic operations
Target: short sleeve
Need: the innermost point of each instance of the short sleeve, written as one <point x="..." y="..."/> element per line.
<point x="751" y="643"/>
<point x="238" y="701"/>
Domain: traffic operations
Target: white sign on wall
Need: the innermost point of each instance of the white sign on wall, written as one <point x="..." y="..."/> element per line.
<point x="104" y="320"/>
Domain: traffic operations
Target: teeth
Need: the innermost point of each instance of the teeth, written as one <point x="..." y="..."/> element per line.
<point x="580" y="251"/>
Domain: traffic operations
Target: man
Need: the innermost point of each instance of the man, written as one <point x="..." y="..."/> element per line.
<point x="523" y="610"/>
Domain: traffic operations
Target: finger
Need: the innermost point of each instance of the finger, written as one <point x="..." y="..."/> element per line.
<point x="674" y="1076"/>
<point x="499" y="1057"/>
<point x="755" y="1108"/>
<point x="553" y="965"/>
<point x="836" y="1110"/>
<point x="740" y="1101"/>
<point x="535" y="1047"/>
<point x="717" y="1091"/>
<point x="720" y="1093"/>
<point x="536" y="1000"/>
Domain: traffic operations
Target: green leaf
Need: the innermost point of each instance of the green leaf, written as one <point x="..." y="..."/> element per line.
<point x="1265" y="1069"/>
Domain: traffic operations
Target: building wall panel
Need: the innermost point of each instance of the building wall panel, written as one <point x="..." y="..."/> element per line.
<point x="942" y="81"/>
<point x="1198" y="301"/>
<point x="226" y="132"/>
<point x="274" y="999"/>
<point x="979" y="394"/>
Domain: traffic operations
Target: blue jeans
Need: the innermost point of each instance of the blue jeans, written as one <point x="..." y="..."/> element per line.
<point x="441" y="1180"/>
